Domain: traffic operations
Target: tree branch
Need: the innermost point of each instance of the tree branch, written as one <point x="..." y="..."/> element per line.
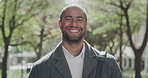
<point x="111" y="3"/>
<point x="3" y="20"/>
<point x="28" y="11"/>
<point x="129" y="4"/>
<point x="145" y="41"/>
<point x="22" y="43"/>
<point x="24" y="20"/>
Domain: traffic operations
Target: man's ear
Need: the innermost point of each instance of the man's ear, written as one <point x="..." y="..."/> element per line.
<point x="59" y="22"/>
<point x="86" y="25"/>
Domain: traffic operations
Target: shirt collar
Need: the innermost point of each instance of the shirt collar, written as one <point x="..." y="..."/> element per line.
<point x="68" y="55"/>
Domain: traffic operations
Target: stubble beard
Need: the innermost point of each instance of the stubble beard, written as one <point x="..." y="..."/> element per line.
<point x="73" y="39"/>
<point x="70" y="39"/>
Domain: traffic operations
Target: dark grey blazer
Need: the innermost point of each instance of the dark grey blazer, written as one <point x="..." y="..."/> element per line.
<point x="54" y="65"/>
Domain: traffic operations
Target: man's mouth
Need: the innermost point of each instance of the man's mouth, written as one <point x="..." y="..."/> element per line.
<point x="74" y="31"/>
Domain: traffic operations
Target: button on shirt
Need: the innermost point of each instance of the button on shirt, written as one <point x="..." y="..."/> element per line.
<point x="75" y="63"/>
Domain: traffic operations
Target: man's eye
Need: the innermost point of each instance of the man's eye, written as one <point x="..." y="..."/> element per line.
<point x="68" y="19"/>
<point x="80" y="20"/>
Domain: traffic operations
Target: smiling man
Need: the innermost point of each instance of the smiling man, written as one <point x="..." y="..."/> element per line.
<point x="74" y="57"/>
<point x="73" y="24"/>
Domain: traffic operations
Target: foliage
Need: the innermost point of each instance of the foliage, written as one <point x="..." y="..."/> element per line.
<point x="16" y="28"/>
<point x="105" y="17"/>
<point x="30" y="30"/>
<point x="135" y="16"/>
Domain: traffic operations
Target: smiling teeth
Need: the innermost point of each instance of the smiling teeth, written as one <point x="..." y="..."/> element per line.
<point x="73" y="30"/>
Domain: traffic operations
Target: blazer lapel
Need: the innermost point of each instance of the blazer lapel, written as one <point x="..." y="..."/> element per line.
<point x="90" y="61"/>
<point x="61" y="65"/>
<point x="63" y="68"/>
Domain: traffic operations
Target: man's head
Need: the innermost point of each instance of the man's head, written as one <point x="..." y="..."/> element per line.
<point x="73" y="23"/>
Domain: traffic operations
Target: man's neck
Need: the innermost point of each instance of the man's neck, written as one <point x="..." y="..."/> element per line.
<point x="73" y="47"/>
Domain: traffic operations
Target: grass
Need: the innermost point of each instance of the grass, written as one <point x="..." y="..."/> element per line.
<point x="16" y="74"/>
<point x="128" y="73"/>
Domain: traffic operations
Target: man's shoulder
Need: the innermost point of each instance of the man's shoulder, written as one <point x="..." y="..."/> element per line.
<point x="107" y="57"/>
<point x="103" y="54"/>
<point x="45" y="59"/>
<point x="49" y="58"/>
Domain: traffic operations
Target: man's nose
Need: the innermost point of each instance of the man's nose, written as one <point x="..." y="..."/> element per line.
<point x="74" y="23"/>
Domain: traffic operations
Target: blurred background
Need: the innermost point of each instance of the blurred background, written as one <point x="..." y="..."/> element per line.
<point x="29" y="30"/>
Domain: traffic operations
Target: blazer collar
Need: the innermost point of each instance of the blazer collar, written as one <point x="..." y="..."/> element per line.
<point x="61" y="65"/>
<point x="90" y="61"/>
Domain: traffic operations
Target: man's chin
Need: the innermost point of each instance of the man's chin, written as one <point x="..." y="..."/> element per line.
<point x="74" y="40"/>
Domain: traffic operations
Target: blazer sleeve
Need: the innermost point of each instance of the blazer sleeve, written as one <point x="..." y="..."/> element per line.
<point x="116" y="72"/>
<point x="115" y="69"/>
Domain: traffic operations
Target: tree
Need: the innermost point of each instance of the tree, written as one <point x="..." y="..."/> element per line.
<point x="131" y="20"/>
<point x="104" y="27"/>
<point x="125" y="6"/>
<point x="46" y="28"/>
<point x="45" y="33"/>
<point x="14" y="14"/>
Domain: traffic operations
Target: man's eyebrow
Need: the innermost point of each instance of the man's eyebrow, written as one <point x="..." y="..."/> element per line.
<point x="80" y="17"/>
<point x="68" y="16"/>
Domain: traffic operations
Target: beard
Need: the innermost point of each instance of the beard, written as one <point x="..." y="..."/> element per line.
<point x="73" y="38"/>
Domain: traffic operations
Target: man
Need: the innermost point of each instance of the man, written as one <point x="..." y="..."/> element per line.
<point x="74" y="57"/>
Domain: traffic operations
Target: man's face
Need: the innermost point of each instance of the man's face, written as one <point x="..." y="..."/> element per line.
<point x="73" y="24"/>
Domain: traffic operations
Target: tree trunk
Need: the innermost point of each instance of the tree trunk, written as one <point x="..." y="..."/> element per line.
<point x="121" y="41"/>
<point x="137" y="65"/>
<point x="4" y="62"/>
<point x="40" y="51"/>
<point x="120" y="59"/>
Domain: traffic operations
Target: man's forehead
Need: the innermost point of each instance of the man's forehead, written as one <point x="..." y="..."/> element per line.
<point x="74" y="17"/>
<point x="74" y="11"/>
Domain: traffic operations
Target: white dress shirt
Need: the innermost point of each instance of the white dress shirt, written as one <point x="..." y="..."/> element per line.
<point x="75" y="63"/>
